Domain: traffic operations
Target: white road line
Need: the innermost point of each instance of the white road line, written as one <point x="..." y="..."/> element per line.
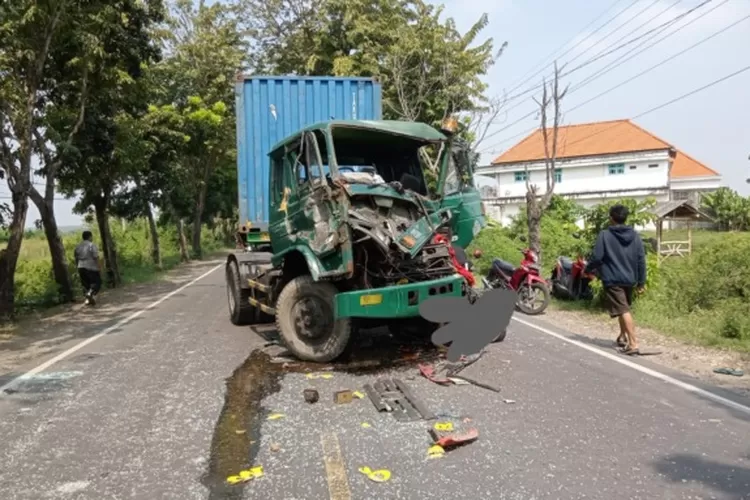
<point x="101" y="334"/>
<point x="635" y="366"/>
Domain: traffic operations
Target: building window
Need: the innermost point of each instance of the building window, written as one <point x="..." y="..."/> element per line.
<point x="654" y="165"/>
<point x="680" y="195"/>
<point x="616" y="169"/>
<point x="633" y="167"/>
<point x="558" y="175"/>
<point x="520" y="176"/>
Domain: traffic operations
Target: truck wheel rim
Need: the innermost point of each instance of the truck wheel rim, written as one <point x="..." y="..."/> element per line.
<point x="313" y="318"/>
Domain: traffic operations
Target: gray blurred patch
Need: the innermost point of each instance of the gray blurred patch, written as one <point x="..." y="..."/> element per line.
<point x="470" y="327"/>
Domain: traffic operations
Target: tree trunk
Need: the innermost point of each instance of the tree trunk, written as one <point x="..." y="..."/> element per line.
<point x="200" y="204"/>
<point x="155" y="246"/>
<point x="533" y="222"/>
<point x="56" y="249"/>
<point x="182" y="241"/>
<point x="9" y="256"/>
<point x="109" y="250"/>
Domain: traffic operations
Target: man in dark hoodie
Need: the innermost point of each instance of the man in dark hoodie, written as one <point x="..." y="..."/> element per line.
<point x="621" y="260"/>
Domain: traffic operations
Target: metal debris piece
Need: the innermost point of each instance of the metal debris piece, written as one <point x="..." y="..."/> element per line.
<point x="343" y="397"/>
<point x="393" y="396"/>
<point x="275" y="447"/>
<point x="311" y="395"/>
<point x="509" y="401"/>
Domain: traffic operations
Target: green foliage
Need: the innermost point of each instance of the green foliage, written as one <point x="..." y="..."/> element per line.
<point x="427" y="67"/>
<point x="597" y="219"/>
<point x="35" y="285"/>
<point x="731" y="210"/>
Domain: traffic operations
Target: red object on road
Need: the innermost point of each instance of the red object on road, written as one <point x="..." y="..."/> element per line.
<point x="428" y="372"/>
<point x="454" y="438"/>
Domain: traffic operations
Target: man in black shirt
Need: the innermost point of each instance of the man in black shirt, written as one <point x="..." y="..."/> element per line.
<point x="621" y="260"/>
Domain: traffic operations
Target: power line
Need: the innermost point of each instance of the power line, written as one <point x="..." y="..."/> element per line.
<point x="676" y="99"/>
<point x="589" y="80"/>
<point x="620" y="59"/>
<point x="576" y="45"/>
<point x="668" y="103"/>
<point x="700" y="42"/>
<point x="603" y="54"/>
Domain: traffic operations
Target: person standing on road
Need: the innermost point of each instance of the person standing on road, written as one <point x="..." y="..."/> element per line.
<point x="87" y="262"/>
<point x="621" y="259"/>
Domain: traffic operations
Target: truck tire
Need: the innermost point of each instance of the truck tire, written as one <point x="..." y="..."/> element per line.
<point x="304" y="319"/>
<point x="241" y="312"/>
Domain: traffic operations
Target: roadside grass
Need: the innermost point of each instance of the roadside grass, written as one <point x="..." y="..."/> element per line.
<point x="35" y="287"/>
<point x="702" y="299"/>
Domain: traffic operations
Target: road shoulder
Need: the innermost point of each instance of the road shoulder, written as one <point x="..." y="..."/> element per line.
<point x="693" y="360"/>
<point x="40" y="336"/>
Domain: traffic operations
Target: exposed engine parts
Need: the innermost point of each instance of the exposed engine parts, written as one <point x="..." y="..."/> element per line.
<point x="377" y="224"/>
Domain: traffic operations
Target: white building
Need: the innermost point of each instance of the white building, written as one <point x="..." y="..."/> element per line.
<point x="596" y="162"/>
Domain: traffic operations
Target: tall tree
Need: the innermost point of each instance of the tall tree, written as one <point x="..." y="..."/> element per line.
<point x="537" y="200"/>
<point x="122" y="45"/>
<point x="33" y="74"/>
<point x="205" y="50"/>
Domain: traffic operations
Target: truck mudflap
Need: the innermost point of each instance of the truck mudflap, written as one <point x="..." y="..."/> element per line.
<point x="395" y="302"/>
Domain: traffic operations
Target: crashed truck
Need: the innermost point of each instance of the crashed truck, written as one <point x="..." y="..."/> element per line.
<point x="339" y="231"/>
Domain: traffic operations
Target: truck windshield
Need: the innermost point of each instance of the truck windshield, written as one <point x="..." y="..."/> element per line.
<point x="375" y="157"/>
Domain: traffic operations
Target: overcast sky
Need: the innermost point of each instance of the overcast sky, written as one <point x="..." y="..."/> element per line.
<point x="712" y="125"/>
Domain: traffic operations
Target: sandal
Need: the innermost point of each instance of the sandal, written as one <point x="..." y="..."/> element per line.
<point x="629" y="351"/>
<point x="620" y="342"/>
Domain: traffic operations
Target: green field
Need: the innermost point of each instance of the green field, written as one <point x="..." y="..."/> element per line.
<point x="34" y="283"/>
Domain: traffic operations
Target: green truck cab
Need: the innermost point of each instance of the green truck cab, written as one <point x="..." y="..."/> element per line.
<point x="351" y="227"/>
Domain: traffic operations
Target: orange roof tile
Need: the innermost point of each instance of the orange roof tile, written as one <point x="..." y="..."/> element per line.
<point x="686" y="166"/>
<point x="601" y="138"/>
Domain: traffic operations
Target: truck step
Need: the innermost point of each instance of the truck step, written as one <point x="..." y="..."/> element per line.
<point x="393" y="396"/>
<point x="258" y="286"/>
<point x="266" y="309"/>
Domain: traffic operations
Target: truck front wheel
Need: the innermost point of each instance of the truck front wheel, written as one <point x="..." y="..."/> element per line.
<point x="240" y="310"/>
<point x="305" y="320"/>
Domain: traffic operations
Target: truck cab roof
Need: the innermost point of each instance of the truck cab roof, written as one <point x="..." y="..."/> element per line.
<point x="420" y="132"/>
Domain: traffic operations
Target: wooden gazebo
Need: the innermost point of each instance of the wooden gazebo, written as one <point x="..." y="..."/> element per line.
<point x="676" y="211"/>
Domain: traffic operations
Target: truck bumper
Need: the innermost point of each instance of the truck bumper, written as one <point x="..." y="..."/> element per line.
<point x="398" y="301"/>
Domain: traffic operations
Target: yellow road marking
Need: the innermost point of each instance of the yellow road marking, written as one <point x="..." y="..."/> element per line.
<point x="338" y="483"/>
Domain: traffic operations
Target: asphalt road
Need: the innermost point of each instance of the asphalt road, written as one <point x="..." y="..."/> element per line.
<point x="171" y="403"/>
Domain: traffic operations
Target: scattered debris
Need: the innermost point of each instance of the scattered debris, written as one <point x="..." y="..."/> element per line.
<point x="311" y="395"/>
<point x="444" y="426"/>
<point x="240" y="431"/>
<point x="451" y="440"/>
<point x="358" y="395"/>
<point x="275" y="447"/>
<point x="365" y="425"/>
<point x="393" y="396"/>
<point x="379" y="476"/>
<point x="275" y="416"/>
<point x="435" y="451"/>
<point x="343" y="397"/>
<point x="246" y="475"/>
<point x="509" y="401"/>
<point x="313" y="376"/>
<point x="735" y="372"/>
<point x="430" y="374"/>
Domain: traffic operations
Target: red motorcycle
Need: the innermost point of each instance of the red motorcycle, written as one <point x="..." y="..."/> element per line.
<point x="526" y="280"/>
<point x="569" y="281"/>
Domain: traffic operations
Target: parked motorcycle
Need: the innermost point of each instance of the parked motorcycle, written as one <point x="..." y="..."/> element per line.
<point x="525" y="279"/>
<point x="569" y="281"/>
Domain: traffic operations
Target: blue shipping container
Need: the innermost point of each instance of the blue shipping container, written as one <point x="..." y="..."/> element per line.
<point x="270" y="108"/>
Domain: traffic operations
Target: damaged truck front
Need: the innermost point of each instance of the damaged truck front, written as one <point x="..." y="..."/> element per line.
<point x="356" y="238"/>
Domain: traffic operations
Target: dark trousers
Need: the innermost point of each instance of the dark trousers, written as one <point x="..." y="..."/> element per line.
<point x="91" y="280"/>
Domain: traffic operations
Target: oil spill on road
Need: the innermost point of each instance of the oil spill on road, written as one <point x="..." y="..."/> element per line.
<point x="236" y="438"/>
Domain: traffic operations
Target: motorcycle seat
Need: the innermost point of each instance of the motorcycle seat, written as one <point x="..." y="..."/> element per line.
<point x="503" y="266"/>
<point x="566" y="263"/>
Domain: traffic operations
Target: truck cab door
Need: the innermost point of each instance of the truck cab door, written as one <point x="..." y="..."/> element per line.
<point x="458" y="193"/>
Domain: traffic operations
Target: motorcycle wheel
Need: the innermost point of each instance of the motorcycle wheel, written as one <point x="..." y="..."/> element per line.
<point x="531" y="290"/>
